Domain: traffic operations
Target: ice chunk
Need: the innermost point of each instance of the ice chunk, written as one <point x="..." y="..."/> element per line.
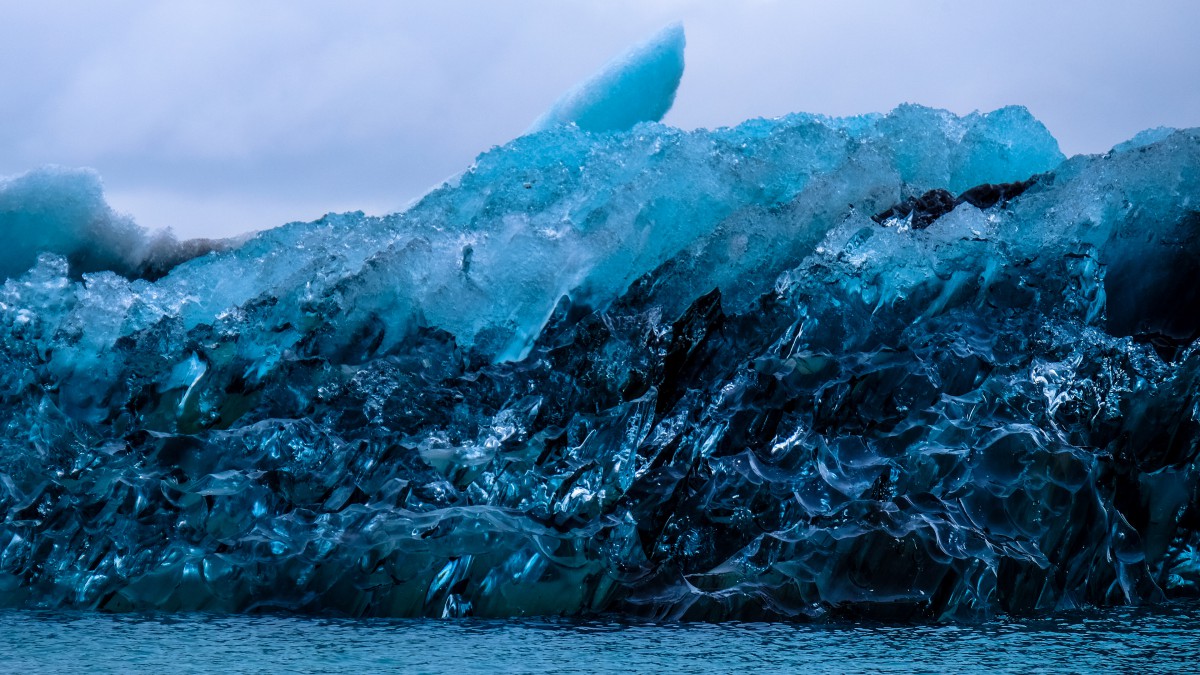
<point x="63" y="211"/>
<point x="1144" y="138"/>
<point x="638" y="86"/>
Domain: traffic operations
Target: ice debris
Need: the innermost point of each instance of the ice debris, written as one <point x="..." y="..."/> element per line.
<point x="638" y="86"/>
<point x="904" y="365"/>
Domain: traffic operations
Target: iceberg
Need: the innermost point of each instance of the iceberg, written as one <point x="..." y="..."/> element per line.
<point x="638" y="86"/>
<point x="905" y="365"/>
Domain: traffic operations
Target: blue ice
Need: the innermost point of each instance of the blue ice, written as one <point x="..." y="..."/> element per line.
<point x="638" y="86"/>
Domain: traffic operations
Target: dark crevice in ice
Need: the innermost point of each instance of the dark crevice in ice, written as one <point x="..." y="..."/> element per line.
<point x="928" y="207"/>
<point x="1152" y="290"/>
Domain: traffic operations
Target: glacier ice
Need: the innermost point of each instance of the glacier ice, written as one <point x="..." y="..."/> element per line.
<point x="899" y="365"/>
<point x="638" y="86"/>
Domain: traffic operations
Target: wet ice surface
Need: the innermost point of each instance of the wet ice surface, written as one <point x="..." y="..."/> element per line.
<point x="1166" y="639"/>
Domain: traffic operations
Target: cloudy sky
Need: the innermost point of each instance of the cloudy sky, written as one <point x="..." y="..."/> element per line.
<point x="217" y="117"/>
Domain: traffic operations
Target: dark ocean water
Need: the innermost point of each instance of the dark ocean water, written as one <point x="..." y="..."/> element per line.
<point x="1160" y="640"/>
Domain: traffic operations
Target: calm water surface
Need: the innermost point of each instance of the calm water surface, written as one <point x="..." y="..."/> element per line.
<point x="1161" y="640"/>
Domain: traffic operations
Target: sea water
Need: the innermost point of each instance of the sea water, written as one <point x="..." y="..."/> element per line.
<point x="1163" y="639"/>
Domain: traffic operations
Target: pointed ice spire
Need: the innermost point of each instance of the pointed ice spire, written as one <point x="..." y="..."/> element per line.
<point x="638" y="86"/>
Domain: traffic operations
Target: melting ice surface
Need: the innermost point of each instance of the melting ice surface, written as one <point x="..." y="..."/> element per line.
<point x="901" y="365"/>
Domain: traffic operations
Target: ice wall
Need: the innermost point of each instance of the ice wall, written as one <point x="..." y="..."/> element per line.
<point x="799" y="368"/>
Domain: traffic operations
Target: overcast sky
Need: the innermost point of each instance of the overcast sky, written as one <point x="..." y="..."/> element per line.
<point x="217" y="117"/>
